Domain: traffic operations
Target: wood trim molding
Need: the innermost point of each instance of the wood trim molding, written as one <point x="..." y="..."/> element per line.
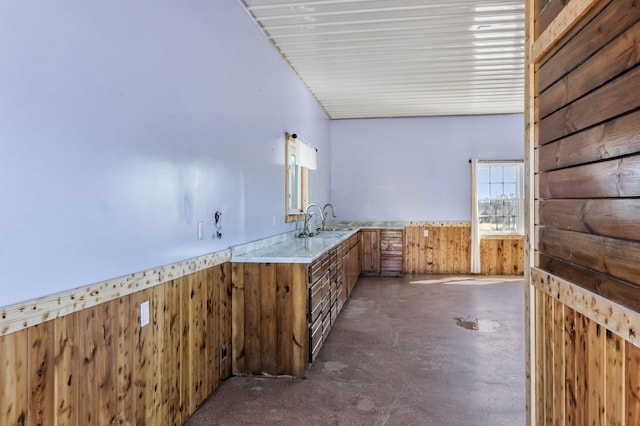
<point x="561" y="25"/>
<point x="438" y="224"/>
<point x="616" y="318"/>
<point x="36" y="311"/>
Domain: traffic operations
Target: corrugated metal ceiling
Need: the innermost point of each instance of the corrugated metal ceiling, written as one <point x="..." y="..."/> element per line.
<point x="402" y="58"/>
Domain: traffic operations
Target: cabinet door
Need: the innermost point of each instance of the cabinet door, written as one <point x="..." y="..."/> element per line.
<point x="391" y="252"/>
<point x="370" y="241"/>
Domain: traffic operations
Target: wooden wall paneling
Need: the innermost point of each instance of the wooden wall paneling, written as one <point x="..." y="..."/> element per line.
<point x="548" y="371"/>
<point x="284" y="316"/>
<point x="88" y="332"/>
<point x="224" y="277"/>
<point x="123" y="359"/>
<point x="570" y="342"/>
<point x="160" y="353"/>
<point x="612" y="21"/>
<point x="616" y="290"/>
<point x="616" y="218"/>
<point x="569" y="23"/>
<point x="595" y="381"/>
<point x="632" y="388"/>
<point x="14" y="378"/>
<point x="600" y="105"/>
<point x="213" y="333"/>
<point x="540" y="389"/>
<point x="547" y="13"/>
<point x="268" y="317"/>
<point x="581" y="369"/>
<point x="615" y="58"/>
<point x="613" y="178"/>
<point x="615" y="385"/>
<point x="106" y="370"/>
<point x="66" y="370"/>
<point x="184" y="285"/>
<point x="252" y="326"/>
<point x="617" y="258"/>
<point x="143" y="363"/>
<point x="559" y="391"/>
<point x="614" y="138"/>
<point x="238" y="337"/>
<point x="198" y="340"/>
<point x="40" y="357"/>
<point x="171" y="355"/>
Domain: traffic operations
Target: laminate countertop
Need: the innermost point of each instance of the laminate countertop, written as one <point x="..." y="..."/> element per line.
<point x="288" y="248"/>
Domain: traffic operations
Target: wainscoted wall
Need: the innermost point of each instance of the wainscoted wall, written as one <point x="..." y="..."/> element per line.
<point x="97" y="366"/>
<point x="587" y="359"/>
<point x="583" y="157"/>
<point x="445" y="248"/>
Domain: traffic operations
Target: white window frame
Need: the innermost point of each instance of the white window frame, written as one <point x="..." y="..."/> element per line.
<point x="517" y="199"/>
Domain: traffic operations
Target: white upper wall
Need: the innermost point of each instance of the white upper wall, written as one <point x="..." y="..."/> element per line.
<point x="123" y="124"/>
<point x="415" y="169"/>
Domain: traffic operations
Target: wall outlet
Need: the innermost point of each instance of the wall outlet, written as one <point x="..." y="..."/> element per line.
<point x="144" y="313"/>
<point x="274" y="221"/>
<point x="426" y="232"/>
<point x="200" y="230"/>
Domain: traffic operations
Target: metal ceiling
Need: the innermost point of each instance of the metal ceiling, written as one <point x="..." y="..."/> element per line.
<point x="402" y="58"/>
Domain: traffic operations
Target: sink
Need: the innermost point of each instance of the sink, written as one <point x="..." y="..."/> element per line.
<point x="338" y="229"/>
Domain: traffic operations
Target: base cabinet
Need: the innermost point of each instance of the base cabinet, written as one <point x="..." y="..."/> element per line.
<point x="382" y="252"/>
<point x="283" y="313"/>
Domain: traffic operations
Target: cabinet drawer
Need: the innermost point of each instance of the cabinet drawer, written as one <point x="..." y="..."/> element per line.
<point x="392" y="264"/>
<point x="315" y="300"/>
<point x="315" y="338"/>
<point x="319" y="267"/>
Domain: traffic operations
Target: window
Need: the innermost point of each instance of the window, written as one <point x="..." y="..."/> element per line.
<point x="296" y="178"/>
<point x="499" y="195"/>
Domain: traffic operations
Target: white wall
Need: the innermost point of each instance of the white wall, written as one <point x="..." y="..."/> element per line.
<point x="415" y="168"/>
<point x="124" y="123"/>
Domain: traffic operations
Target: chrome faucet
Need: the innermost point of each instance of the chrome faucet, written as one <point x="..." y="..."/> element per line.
<point x="324" y="212"/>
<point x="307" y="216"/>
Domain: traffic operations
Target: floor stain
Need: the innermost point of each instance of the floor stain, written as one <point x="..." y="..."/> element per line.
<point x="334" y="366"/>
<point x="474" y="324"/>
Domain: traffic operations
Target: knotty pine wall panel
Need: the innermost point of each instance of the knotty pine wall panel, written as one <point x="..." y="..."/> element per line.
<point x="98" y="366"/>
<point x="447" y="250"/>
<point x="586" y="374"/>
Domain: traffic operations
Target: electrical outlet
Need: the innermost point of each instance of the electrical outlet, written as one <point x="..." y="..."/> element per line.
<point x="144" y="313"/>
<point x="200" y="230"/>
<point x="426" y="232"/>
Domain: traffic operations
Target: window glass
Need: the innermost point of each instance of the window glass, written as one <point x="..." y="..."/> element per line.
<point x="499" y="193"/>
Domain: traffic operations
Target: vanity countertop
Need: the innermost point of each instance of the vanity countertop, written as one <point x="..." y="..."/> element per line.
<point x="287" y="248"/>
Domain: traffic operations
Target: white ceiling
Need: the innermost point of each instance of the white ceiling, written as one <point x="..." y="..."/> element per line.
<point x="402" y="58"/>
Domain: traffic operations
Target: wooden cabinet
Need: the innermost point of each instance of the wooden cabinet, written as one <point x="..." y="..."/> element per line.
<point x="283" y="313"/>
<point x="331" y="279"/>
<point x="382" y="251"/>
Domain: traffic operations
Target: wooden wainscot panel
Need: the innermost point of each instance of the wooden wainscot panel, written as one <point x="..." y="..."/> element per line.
<point x="99" y="366"/>
<point x="13" y="378"/>
<point x="502" y="255"/>
<point x="437" y="247"/>
<point x="587" y="373"/>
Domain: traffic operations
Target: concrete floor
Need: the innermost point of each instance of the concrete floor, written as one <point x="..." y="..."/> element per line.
<point x="401" y="353"/>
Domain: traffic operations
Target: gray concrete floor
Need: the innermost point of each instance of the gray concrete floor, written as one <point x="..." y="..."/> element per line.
<point x="401" y="353"/>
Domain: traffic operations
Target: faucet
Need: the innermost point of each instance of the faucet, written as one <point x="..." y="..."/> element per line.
<point x="324" y="212"/>
<point x="307" y="216"/>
